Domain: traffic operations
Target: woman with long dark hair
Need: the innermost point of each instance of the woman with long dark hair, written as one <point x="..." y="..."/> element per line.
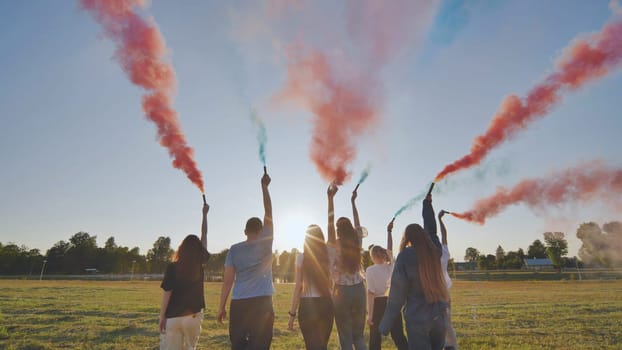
<point x="183" y="301"/>
<point x="417" y="284"/>
<point x="312" y="293"/>
<point x="344" y="251"/>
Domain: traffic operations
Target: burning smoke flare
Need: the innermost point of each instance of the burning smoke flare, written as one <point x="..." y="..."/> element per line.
<point x="586" y="59"/>
<point x="416" y="199"/>
<point x="584" y="183"/>
<point x="262" y="136"/>
<point x="141" y="52"/>
<point x="364" y="174"/>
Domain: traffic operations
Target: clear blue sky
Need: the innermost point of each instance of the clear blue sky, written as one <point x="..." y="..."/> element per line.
<point x="77" y="154"/>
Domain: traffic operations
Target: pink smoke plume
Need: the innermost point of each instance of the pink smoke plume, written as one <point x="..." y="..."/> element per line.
<point x="584" y="183"/>
<point x="141" y="53"/>
<point x="342" y="87"/>
<point x="585" y="60"/>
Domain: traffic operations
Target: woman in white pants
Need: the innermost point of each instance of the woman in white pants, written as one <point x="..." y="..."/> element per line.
<point x="183" y="300"/>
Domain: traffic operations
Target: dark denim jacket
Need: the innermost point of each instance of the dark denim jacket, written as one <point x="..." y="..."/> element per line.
<point x="405" y="286"/>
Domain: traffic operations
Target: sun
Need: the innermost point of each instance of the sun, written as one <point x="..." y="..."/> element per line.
<point x="289" y="232"/>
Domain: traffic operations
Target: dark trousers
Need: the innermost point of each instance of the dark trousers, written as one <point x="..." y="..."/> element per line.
<point x="428" y="335"/>
<point x="350" y="306"/>
<point x="315" y="316"/>
<point x="397" y="330"/>
<point x="251" y="322"/>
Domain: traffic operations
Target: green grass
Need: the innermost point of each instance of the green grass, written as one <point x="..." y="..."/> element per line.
<point x="487" y="315"/>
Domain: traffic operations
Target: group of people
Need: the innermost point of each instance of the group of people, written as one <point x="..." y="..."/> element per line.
<point x="331" y="286"/>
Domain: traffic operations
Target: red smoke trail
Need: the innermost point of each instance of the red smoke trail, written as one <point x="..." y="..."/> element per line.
<point x="141" y="53"/>
<point x="341" y="87"/>
<point x="584" y="183"/>
<point x="585" y="60"/>
<point x="341" y="109"/>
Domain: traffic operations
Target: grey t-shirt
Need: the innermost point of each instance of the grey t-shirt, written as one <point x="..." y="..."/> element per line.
<point x="252" y="261"/>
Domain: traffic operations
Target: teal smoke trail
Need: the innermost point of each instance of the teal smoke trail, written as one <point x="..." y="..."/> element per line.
<point x="364" y="175"/>
<point x="262" y="137"/>
<point x="411" y="202"/>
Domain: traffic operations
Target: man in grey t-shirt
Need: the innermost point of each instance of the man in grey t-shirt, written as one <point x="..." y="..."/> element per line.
<point x="248" y="269"/>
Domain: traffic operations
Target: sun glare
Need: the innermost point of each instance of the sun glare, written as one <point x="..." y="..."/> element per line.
<point x="290" y="231"/>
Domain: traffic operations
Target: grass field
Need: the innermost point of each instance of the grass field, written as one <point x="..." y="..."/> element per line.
<point x="487" y="315"/>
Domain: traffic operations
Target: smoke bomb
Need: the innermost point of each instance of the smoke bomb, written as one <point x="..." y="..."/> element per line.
<point x="430" y="190"/>
<point x="356" y="188"/>
<point x="204" y="200"/>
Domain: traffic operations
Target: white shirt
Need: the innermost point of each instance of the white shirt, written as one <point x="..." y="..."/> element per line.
<point x="378" y="277"/>
<point x="334" y="259"/>
<point x="444" y="262"/>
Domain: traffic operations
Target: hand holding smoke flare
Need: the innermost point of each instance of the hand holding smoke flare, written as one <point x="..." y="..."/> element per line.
<point x="587" y="59"/>
<point x="363" y="177"/>
<point x="429" y="194"/>
<point x="141" y="52"/>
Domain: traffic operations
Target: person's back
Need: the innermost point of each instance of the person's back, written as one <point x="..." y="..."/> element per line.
<point x="248" y="269"/>
<point x="416" y="309"/>
<point x="252" y="261"/>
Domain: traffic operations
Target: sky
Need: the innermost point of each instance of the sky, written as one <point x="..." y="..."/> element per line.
<point x="78" y="154"/>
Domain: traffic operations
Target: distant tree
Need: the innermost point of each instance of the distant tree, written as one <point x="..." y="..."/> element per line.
<point x="521" y="253"/>
<point x="160" y="255"/>
<point x="486" y="262"/>
<point x="514" y="260"/>
<point x="216" y="264"/>
<point x="56" y="257"/>
<point x="287" y="265"/>
<point x="556" y="248"/>
<point x="500" y="257"/>
<point x="536" y="250"/>
<point x="471" y="255"/>
<point x="82" y="253"/>
<point x="110" y="244"/>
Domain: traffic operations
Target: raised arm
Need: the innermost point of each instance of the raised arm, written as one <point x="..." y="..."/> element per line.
<point x="390" y="236"/>
<point x="355" y="212"/>
<point x="443" y="229"/>
<point x="204" y="226"/>
<point x="429" y="221"/>
<point x="332" y="236"/>
<point x="267" y="204"/>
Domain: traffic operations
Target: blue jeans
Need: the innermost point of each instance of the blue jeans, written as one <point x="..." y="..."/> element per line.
<point x="350" y="305"/>
<point x="429" y="335"/>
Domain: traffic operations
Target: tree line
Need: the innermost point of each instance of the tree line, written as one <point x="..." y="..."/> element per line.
<point x="601" y="247"/>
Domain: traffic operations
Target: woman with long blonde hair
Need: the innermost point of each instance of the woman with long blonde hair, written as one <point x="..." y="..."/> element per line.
<point x="417" y="284"/>
<point x="312" y="293"/>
